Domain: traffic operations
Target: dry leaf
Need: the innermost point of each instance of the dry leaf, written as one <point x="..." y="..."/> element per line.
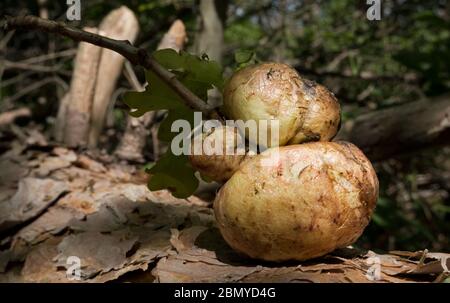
<point x="31" y="199"/>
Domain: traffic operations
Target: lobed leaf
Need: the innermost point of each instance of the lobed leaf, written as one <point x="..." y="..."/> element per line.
<point x="173" y="173"/>
<point x="199" y="75"/>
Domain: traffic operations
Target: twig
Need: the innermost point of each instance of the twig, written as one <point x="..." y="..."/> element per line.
<point x="423" y="257"/>
<point x="16" y="79"/>
<point x="136" y="56"/>
<point x="32" y="67"/>
<point x="155" y="143"/>
<point x="9" y="117"/>
<point x="65" y="53"/>
<point x="132" y="78"/>
<point x="5" y="40"/>
<point x="37" y="85"/>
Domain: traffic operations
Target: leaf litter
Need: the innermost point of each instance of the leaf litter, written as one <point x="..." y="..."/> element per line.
<point x="59" y="204"/>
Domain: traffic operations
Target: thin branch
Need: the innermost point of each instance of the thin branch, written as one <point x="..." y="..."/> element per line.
<point x="132" y="78"/>
<point x="16" y="79"/>
<point x="136" y="56"/>
<point x="37" y="85"/>
<point x="65" y="53"/>
<point x="33" y="67"/>
<point x="5" y="40"/>
<point x="9" y="117"/>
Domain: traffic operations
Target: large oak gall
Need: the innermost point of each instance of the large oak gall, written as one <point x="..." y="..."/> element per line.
<point x="317" y="197"/>
<point x="305" y="110"/>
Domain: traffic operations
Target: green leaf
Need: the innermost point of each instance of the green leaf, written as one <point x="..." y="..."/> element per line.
<point x="169" y="58"/>
<point x="164" y="132"/>
<point x="191" y="67"/>
<point x="175" y="174"/>
<point x="379" y="220"/>
<point x="199" y="75"/>
<point x="157" y="96"/>
<point x="243" y="56"/>
<point x="206" y="178"/>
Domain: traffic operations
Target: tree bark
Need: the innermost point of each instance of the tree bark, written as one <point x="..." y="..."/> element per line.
<point x="133" y="141"/>
<point x="76" y="119"/>
<point x="120" y="24"/>
<point x="175" y="37"/>
<point x="9" y="117"/>
<point x="60" y="123"/>
<point x="400" y="129"/>
<point x="43" y="10"/>
<point x="210" y="38"/>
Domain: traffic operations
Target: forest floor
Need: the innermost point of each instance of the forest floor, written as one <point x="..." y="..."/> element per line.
<point x="57" y="203"/>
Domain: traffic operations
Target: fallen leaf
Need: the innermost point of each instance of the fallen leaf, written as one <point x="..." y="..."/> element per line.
<point x="31" y="199"/>
<point x="97" y="252"/>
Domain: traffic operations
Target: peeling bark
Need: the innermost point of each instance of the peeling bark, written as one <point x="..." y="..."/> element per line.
<point x="60" y="123"/>
<point x="78" y="112"/>
<point x="210" y="37"/>
<point x="175" y="37"/>
<point x="120" y="24"/>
